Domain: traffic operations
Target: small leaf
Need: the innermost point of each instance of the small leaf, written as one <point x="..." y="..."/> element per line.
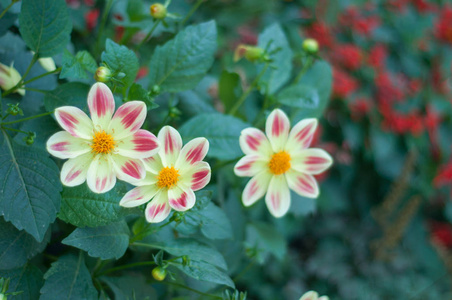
<point x="206" y="272"/>
<point x="26" y="280"/>
<point x="71" y="93"/>
<point x="137" y="92"/>
<point x="105" y="242"/>
<point x="229" y="88"/>
<point x="68" y="278"/>
<point x="120" y="59"/>
<point x="75" y="67"/>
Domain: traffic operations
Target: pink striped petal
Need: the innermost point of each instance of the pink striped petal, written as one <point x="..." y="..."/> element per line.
<point x="141" y="144"/>
<point x="278" y="196"/>
<point x="303" y="184"/>
<point x="158" y="209"/>
<point x="256" y="188"/>
<point x="153" y="164"/>
<point x="101" y="177"/>
<point x="277" y="128"/>
<point x="63" y="145"/>
<point x="101" y="104"/>
<point x="193" y="152"/>
<point x="139" y="195"/>
<point x="75" y="121"/>
<point x="301" y="135"/>
<point x="250" y="165"/>
<point x="311" y="161"/>
<point x="171" y="144"/>
<point x="128" y="169"/>
<point x="197" y="176"/>
<point x="75" y="169"/>
<point x="181" y="199"/>
<point x="254" y="141"/>
<point x="128" y="119"/>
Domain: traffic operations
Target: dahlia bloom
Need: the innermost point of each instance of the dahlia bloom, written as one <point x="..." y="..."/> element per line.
<point x="104" y="147"/>
<point x="172" y="176"/>
<point x="312" y="295"/>
<point x="280" y="161"/>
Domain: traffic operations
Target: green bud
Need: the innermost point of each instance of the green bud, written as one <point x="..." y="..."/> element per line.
<point x="251" y="53"/>
<point x="155" y="90"/>
<point x="159" y="273"/>
<point x="30" y="138"/>
<point x="14" y="109"/>
<point x="103" y="74"/>
<point x="185" y="260"/>
<point x="310" y="46"/>
<point x="158" y="11"/>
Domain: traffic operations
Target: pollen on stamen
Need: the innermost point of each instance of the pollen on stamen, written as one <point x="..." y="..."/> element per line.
<point x="279" y="163"/>
<point x="168" y="177"/>
<point x="103" y="143"/>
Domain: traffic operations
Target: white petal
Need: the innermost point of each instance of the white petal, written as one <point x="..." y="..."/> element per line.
<point x="254" y="141"/>
<point x="141" y="144"/>
<point x="181" y="199"/>
<point x="311" y="161"/>
<point x="193" y="152"/>
<point x="153" y="164"/>
<point x="311" y="295"/>
<point x="75" y="121"/>
<point x="197" y="176"/>
<point x="63" y="145"/>
<point x="303" y="184"/>
<point x="75" y="169"/>
<point x="170" y="145"/>
<point x="101" y="105"/>
<point x="101" y="177"/>
<point x="278" y="196"/>
<point x="128" y="119"/>
<point x="256" y="188"/>
<point x="128" y="169"/>
<point x="250" y="165"/>
<point x="277" y="129"/>
<point x="158" y="209"/>
<point x="301" y="135"/>
<point x="139" y="195"/>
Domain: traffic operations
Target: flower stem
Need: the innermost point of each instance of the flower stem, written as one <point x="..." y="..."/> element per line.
<point x="35" y="90"/>
<point x="42" y="75"/>
<point x="7" y="8"/>
<point x="156" y="23"/>
<point x="102" y="25"/>
<point x="306" y="66"/>
<point x="132" y="265"/>
<point x="192" y="11"/>
<point x="28" y="118"/>
<point x="15" y="130"/>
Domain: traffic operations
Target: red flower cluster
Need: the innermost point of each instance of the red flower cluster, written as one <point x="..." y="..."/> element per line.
<point x="443" y="28"/>
<point x="343" y="84"/>
<point x="357" y="20"/>
<point x="441" y="233"/>
<point x="347" y="55"/>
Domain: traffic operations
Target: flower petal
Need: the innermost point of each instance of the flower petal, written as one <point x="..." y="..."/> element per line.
<point x="158" y="209"/>
<point x="153" y="164"/>
<point x="141" y="144"/>
<point x="63" y="145"/>
<point x="149" y="178"/>
<point x="311" y="295"/>
<point x="193" y="152"/>
<point x="256" y="188"/>
<point x="278" y="196"/>
<point x="101" y="177"/>
<point x="254" y="141"/>
<point x="181" y="199"/>
<point x="197" y="176"/>
<point x="75" y="169"/>
<point x="128" y="169"/>
<point x="128" y="119"/>
<point x="101" y="105"/>
<point x="250" y="165"/>
<point x="303" y="184"/>
<point x="139" y="195"/>
<point x="301" y="135"/>
<point x="75" y="121"/>
<point x="277" y="128"/>
<point x="311" y="161"/>
<point x="171" y="144"/>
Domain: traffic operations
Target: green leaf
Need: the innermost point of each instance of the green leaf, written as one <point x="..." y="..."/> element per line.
<point x="27" y="280"/>
<point x="68" y="278"/>
<point x="205" y="272"/>
<point x="302" y="206"/>
<point x="75" y="67"/>
<point x="222" y="131"/>
<point x="105" y="242"/>
<point x="128" y="287"/>
<point x="120" y="59"/>
<point x="266" y="240"/>
<point x="45" y="26"/>
<point x="182" y="62"/>
<point x="304" y="97"/>
<point x="274" y="40"/>
<point x="30" y="187"/>
<point x="6" y="21"/>
<point x="137" y="92"/>
<point x="229" y="88"/>
<point x="71" y="93"/>
<point x="81" y="207"/>
<point x="16" y="247"/>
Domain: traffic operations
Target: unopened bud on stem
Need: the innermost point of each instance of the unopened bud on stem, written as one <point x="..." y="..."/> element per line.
<point x="158" y="11"/>
<point x="311" y="46"/>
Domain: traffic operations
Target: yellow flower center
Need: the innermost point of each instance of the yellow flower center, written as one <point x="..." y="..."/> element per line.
<point x="279" y="163"/>
<point x="168" y="177"/>
<point x="103" y="143"/>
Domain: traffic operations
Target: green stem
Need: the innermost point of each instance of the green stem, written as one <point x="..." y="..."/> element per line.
<point x="258" y="118"/>
<point x="246" y="269"/>
<point x="35" y="90"/>
<point x="42" y="75"/>
<point x="102" y="26"/>
<point x="222" y="164"/>
<point x="20" y="83"/>
<point x="189" y="289"/>
<point x="15" y="130"/>
<point x="305" y="68"/>
<point x="147" y="232"/>
<point x="192" y="11"/>
<point x="7" y="8"/>
<point x="28" y="118"/>
<point x="156" y="23"/>
<point x="138" y="264"/>
<point x="248" y="91"/>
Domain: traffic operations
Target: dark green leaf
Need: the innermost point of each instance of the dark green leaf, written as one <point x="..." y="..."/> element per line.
<point x="75" y="67"/>
<point x="126" y="287"/>
<point x="27" y="280"/>
<point x="71" y="93"/>
<point x="266" y="240"/>
<point x="182" y="62"/>
<point x="206" y="272"/>
<point x="229" y="88"/>
<point x="30" y="187"/>
<point x="137" y="92"/>
<point x="214" y="223"/>
<point x="45" y="26"/>
<point x="6" y="21"/>
<point x="304" y="97"/>
<point x="105" y="242"/>
<point x="120" y="59"/>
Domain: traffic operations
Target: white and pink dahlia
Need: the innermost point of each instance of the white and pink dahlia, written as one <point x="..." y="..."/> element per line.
<point x="172" y="176"/>
<point x="104" y="147"/>
<point x="313" y="295"/>
<point x="280" y="161"/>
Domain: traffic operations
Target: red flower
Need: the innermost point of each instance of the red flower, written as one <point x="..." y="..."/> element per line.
<point x="142" y="72"/>
<point x="441" y="233"/>
<point x="422" y="6"/>
<point x="343" y="84"/>
<point x="321" y="33"/>
<point x="443" y="28"/>
<point x="91" y="19"/>
<point x="359" y="108"/>
<point x="388" y="90"/>
<point x="347" y="55"/>
<point x="377" y="56"/>
<point x="354" y="19"/>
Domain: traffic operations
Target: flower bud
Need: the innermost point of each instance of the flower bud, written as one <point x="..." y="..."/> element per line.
<point x="9" y="77"/>
<point x="30" y="138"/>
<point x="310" y="46"/>
<point x="103" y="74"/>
<point x="251" y="53"/>
<point x="47" y="63"/>
<point x="158" y="11"/>
<point x="3" y="296"/>
<point x="159" y="273"/>
<point x="14" y="109"/>
<point x="155" y="90"/>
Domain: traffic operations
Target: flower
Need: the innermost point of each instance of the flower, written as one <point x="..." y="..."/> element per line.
<point x="9" y="77"/>
<point x="104" y="147"/>
<point x="172" y="176"/>
<point x="312" y="295"/>
<point x="280" y="161"/>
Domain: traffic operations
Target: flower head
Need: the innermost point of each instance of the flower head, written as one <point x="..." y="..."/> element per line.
<point x="172" y="176"/>
<point x="9" y="77"/>
<point x="280" y="161"/>
<point x="104" y="147"/>
<point x="312" y="295"/>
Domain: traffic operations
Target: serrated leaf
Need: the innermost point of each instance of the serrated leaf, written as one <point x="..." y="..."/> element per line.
<point x="68" y="278"/>
<point x="105" y="242"/>
<point x="71" y="93"/>
<point x="30" y="187"/>
<point x="214" y="223"/>
<point x="222" y="131"/>
<point x="27" y="280"/>
<point x="301" y="96"/>
<point x="76" y="67"/>
<point x="120" y="59"/>
<point x="16" y="247"/>
<point x="182" y="62"/>
<point x="206" y="272"/>
<point x="137" y="92"/>
<point x="45" y="26"/>
<point x="266" y="240"/>
<point x="128" y="287"/>
<point x="229" y="87"/>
